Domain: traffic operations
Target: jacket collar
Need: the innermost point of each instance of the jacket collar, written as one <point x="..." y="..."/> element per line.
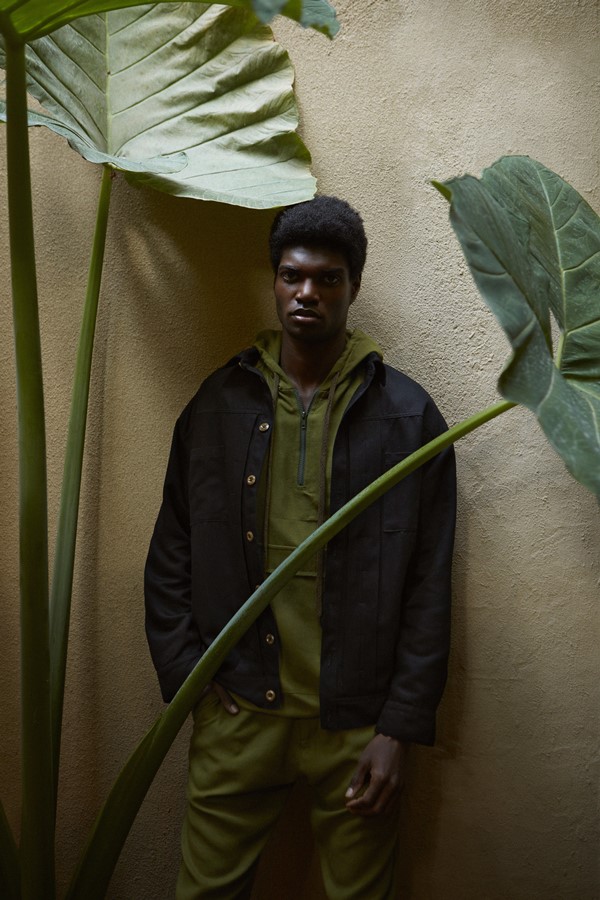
<point x="374" y="367"/>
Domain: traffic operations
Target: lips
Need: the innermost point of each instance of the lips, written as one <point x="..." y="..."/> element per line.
<point x="302" y="313"/>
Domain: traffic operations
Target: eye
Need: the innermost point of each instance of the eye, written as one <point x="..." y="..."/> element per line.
<point x="288" y="276"/>
<point x="331" y="279"/>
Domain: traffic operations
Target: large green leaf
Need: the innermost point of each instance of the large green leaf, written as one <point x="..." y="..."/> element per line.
<point x="195" y="100"/>
<point x="25" y="20"/>
<point x="533" y="246"/>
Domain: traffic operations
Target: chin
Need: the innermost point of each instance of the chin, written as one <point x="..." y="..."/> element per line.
<point x="300" y="334"/>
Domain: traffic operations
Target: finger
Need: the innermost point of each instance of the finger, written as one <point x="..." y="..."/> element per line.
<point x="365" y="803"/>
<point x="226" y="699"/>
<point x="375" y="800"/>
<point x="357" y="782"/>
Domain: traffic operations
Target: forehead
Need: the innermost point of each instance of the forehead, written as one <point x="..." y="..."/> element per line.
<point x="312" y="257"/>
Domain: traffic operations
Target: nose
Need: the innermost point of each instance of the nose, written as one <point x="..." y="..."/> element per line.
<point x="307" y="291"/>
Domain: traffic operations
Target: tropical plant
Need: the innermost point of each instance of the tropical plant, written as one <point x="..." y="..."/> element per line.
<point x="129" y="87"/>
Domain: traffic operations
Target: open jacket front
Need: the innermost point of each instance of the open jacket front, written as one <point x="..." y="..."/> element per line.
<point x="386" y="598"/>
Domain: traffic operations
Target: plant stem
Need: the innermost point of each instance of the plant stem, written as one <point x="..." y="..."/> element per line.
<point x="118" y="813"/>
<point x="66" y="537"/>
<point x="37" y="827"/>
<point x="10" y="875"/>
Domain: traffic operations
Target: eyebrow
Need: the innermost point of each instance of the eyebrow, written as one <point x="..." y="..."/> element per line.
<point x="333" y="270"/>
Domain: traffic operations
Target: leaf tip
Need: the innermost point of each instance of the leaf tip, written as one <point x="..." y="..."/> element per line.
<point x="443" y="189"/>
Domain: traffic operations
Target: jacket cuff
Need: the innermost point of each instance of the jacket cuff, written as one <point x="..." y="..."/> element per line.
<point x="170" y="680"/>
<point x="407" y="723"/>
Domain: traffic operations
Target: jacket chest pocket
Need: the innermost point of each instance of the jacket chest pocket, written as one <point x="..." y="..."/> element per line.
<point x="207" y="485"/>
<point x="401" y="503"/>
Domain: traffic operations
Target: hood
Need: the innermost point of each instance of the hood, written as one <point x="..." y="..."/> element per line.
<point x="358" y="347"/>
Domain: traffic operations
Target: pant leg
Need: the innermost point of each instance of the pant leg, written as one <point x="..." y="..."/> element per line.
<point x="239" y="778"/>
<point x="358" y="854"/>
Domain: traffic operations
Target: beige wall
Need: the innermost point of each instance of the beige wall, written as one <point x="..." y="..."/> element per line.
<point x="505" y="808"/>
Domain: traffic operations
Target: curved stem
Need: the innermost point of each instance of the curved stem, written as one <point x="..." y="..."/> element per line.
<point x="118" y="813"/>
<point x="37" y="828"/>
<point x="66" y="537"/>
<point x="10" y="875"/>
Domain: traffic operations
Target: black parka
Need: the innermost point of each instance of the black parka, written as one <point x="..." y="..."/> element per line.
<point x="386" y="599"/>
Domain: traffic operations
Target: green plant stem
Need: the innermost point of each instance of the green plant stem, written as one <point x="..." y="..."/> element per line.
<point x="66" y="537"/>
<point x="37" y="826"/>
<point x="118" y="813"/>
<point x="10" y="875"/>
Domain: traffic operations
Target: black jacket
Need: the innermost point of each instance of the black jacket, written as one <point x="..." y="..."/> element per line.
<point x="386" y="599"/>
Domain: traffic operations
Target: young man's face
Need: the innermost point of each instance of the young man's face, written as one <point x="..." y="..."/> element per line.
<point x="313" y="292"/>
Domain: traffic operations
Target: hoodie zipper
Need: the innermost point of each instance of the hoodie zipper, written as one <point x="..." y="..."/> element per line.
<point x="303" y="429"/>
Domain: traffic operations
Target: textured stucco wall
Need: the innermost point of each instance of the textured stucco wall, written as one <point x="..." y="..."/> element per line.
<point x="505" y="808"/>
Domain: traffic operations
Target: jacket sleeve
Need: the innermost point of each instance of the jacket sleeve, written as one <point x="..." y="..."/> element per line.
<point x="424" y="638"/>
<point x="170" y="629"/>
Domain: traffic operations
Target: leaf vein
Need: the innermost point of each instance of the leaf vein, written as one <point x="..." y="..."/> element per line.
<point x="594" y="413"/>
<point x="557" y="246"/>
<point x="143" y="13"/>
<point x="583" y="262"/>
<point x="84" y="36"/>
<point x="570" y="218"/>
<point x="46" y="89"/>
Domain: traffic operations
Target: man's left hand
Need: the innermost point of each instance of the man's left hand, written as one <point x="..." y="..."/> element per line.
<point x="377" y="783"/>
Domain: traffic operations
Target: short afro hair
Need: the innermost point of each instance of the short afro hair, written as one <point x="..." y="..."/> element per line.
<point x="321" y="222"/>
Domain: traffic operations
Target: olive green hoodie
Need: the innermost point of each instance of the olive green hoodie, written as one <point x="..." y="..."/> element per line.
<point x="295" y="494"/>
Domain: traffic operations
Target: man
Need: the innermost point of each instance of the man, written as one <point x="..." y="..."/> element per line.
<point x="347" y="666"/>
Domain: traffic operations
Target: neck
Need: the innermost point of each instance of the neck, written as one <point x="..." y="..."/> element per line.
<point x="307" y="365"/>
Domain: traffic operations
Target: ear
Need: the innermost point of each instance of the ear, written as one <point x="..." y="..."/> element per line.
<point x="355" y="288"/>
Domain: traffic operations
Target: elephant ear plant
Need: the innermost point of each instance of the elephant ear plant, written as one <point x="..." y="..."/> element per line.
<point x="529" y="238"/>
<point x="194" y="99"/>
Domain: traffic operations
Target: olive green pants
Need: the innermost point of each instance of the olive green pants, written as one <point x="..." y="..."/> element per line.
<point x="241" y="770"/>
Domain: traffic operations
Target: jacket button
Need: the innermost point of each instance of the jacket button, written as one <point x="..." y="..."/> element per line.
<point x="264" y="426"/>
<point x="270" y="638"/>
<point x="251" y="479"/>
<point x="270" y="696"/>
<point x="249" y="535"/>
